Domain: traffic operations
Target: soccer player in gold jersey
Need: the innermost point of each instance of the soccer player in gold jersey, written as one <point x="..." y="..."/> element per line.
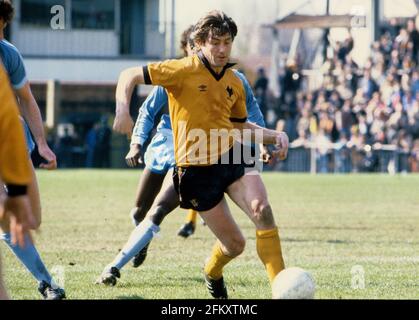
<point x="15" y="174"/>
<point x="206" y="103"/>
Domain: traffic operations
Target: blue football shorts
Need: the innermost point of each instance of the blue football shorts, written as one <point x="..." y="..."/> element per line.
<point x="160" y="156"/>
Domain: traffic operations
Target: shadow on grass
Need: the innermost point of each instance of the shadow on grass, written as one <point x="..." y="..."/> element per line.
<point x="328" y="228"/>
<point x="194" y="279"/>
<point x="334" y="241"/>
<point x="131" y="297"/>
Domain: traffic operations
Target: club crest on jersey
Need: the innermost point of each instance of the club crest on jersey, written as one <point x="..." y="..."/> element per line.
<point x="230" y="92"/>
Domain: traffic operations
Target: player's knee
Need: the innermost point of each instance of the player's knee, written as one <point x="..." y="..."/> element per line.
<point x="262" y="212"/>
<point x="164" y="207"/>
<point x="134" y="213"/>
<point x="236" y="246"/>
<point x="161" y="211"/>
<point x="260" y="207"/>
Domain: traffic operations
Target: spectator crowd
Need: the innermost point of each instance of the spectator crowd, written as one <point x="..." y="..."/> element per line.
<point x="357" y="111"/>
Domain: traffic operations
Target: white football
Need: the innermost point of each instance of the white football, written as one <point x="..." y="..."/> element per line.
<point x="293" y="283"/>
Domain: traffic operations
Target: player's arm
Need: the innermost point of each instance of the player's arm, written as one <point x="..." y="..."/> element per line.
<point x="127" y="81"/>
<point x="32" y="115"/>
<point x="256" y="134"/>
<point x="166" y="74"/>
<point x="29" y="109"/>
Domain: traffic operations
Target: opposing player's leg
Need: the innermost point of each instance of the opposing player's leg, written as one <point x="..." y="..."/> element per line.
<point x="159" y="158"/>
<point x="148" y="188"/>
<point x="254" y="202"/>
<point x="29" y="255"/>
<point x="141" y="236"/>
<point x="188" y="228"/>
<point x="166" y="201"/>
<point x="229" y="245"/>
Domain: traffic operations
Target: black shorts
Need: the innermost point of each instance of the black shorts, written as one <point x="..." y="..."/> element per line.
<point x="202" y="187"/>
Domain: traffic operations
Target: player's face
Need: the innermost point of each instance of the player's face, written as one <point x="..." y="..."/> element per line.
<point x="217" y="49"/>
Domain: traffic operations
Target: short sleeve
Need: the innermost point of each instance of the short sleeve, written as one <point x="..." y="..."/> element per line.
<point x="17" y="72"/>
<point x="238" y="111"/>
<point x="168" y="73"/>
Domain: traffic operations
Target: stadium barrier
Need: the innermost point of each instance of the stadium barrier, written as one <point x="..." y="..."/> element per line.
<point x="310" y="157"/>
<point x="338" y="158"/>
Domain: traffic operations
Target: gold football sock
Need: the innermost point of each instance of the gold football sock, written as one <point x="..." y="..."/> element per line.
<point x="214" y="266"/>
<point x="191" y="216"/>
<point x="268" y="247"/>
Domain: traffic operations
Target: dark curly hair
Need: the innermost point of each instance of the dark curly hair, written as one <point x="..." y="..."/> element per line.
<point x="6" y="11"/>
<point x="216" y="22"/>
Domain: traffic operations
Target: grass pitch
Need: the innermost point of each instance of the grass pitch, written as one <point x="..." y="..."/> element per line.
<point x="357" y="234"/>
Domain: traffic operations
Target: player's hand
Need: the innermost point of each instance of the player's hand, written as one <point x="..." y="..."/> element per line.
<point x="123" y="122"/>
<point x="281" y="146"/>
<point x="46" y="153"/>
<point x="21" y="218"/>
<point x="265" y="154"/>
<point x="133" y="157"/>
